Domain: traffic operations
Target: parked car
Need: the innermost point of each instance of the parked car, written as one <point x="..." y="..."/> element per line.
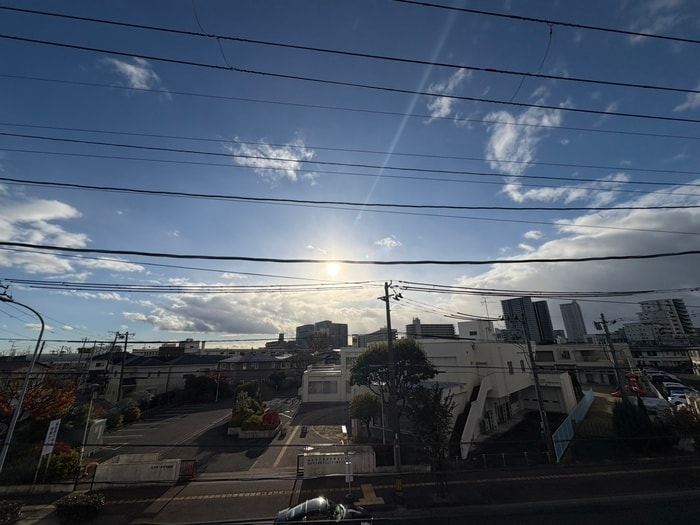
<point x="322" y="509"/>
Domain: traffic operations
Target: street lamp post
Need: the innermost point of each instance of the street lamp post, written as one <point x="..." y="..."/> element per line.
<point x="4" y="297"/>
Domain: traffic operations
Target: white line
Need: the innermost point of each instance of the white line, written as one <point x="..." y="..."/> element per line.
<point x="284" y="448"/>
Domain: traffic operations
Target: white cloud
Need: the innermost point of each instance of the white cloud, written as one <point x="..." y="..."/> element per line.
<point x="576" y="241"/>
<point x="596" y="193"/>
<point x="654" y="17"/>
<point x="513" y="140"/>
<point x="136" y="73"/>
<point x="692" y="101"/>
<point x="389" y="242"/>
<point x="274" y="162"/>
<point x="441" y="106"/>
<point x="526" y="247"/>
<point x="533" y="235"/>
<point x="316" y="249"/>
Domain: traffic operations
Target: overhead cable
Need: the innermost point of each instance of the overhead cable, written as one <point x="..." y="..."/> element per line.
<point x="415" y="262"/>
<point x="329" y="82"/>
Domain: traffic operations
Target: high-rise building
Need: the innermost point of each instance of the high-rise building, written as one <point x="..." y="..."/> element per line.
<point x="544" y="322"/>
<point x="573" y="322"/>
<point x="520" y="318"/>
<point x="669" y="315"/>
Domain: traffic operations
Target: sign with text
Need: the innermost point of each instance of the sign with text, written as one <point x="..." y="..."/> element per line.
<point x="50" y="438"/>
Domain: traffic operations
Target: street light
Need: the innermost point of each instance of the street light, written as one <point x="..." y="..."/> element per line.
<point x="6" y="298"/>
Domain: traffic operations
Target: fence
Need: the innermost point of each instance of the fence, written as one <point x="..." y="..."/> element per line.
<point x="566" y="431"/>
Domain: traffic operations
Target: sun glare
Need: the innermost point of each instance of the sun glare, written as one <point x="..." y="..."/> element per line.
<point x="332" y="269"/>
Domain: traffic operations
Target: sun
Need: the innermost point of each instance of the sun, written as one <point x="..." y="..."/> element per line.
<point x="332" y="269"/>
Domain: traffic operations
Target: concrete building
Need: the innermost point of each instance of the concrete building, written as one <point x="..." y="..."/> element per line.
<point x="491" y="382"/>
<point x="325" y="334"/>
<point x="380" y="336"/>
<point x="670" y="315"/>
<point x="574" y="325"/>
<point x="520" y="318"/>
<point x="417" y="330"/>
<point x="544" y="322"/>
<point x="477" y="330"/>
<point x="592" y="363"/>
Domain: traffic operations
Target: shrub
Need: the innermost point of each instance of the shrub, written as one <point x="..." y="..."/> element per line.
<point x="131" y="414"/>
<point x="79" y="506"/>
<point x="10" y="511"/>
<point x="114" y="419"/>
<point x="63" y="466"/>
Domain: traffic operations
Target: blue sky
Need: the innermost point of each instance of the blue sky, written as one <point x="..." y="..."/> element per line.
<point x="439" y="115"/>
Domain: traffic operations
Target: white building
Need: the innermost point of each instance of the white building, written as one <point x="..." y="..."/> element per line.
<point x="491" y="382"/>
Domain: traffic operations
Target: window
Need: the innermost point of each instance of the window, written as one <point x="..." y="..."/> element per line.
<point x="510" y="367"/>
<point x="522" y="365"/>
<point x="323" y="387"/>
<point x="473" y="332"/>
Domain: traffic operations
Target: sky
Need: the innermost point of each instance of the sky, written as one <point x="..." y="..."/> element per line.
<point x="227" y="171"/>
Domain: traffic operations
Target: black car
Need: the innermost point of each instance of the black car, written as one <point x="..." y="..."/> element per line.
<point x="322" y="509"/>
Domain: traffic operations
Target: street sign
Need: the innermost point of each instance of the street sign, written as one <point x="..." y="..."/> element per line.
<point x="50" y="438"/>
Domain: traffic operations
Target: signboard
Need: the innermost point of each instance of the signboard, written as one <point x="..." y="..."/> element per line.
<point x="50" y="438"/>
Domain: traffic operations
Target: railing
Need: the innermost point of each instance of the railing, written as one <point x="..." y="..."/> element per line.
<point x="566" y="431"/>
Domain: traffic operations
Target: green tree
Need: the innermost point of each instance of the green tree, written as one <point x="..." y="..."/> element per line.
<point x="244" y="408"/>
<point x="276" y="379"/>
<point x="200" y="388"/>
<point x="431" y="414"/>
<point x="365" y="407"/>
<point x="412" y="367"/>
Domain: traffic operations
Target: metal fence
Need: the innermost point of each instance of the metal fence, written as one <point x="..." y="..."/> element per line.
<point x="566" y="431"/>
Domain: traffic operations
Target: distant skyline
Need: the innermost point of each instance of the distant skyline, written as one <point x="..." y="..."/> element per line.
<point x="228" y="171"/>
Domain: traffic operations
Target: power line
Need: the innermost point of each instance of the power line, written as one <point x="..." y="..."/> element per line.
<point x="331" y="163"/>
<point x="553" y="22"/>
<point x="271" y="200"/>
<point x="348" y="261"/>
<point x="349" y="150"/>
<point x="329" y="82"/>
<point x="351" y="174"/>
<point x="347" y="109"/>
<point x="372" y="56"/>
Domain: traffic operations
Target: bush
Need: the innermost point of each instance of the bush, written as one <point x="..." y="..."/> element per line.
<point x="63" y="466"/>
<point x="114" y="419"/>
<point x="10" y="511"/>
<point x="131" y="414"/>
<point x="79" y="506"/>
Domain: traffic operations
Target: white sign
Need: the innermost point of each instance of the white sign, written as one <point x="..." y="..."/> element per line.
<point x="50" y="439"/>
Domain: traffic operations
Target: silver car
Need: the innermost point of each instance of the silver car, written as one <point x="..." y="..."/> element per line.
<point x="322" y="509"/>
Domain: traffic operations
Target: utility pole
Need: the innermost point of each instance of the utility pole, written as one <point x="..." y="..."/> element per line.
<point x="613" y="353"/>
<point x="544" y="420"/>
<point x="393" y="405"/>
<point x="121" y="372"/>
<point x="7" y="298"/>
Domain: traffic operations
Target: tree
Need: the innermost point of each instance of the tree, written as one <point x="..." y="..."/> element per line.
<point x="276" y="379"/>
<point x="411" y="364"/>
<point x="365" y="407"/>
<point x="48" y="399"/>
<point x="431" y="413"/>
<point x="200" y="388"/>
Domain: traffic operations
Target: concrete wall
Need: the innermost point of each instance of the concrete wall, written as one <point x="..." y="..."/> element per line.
<point x="142" y="468"/>
<point x="321" y="464"/>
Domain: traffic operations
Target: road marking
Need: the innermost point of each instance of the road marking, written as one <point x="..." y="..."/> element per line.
<point x="368" y="495"/>
<point x="284" y="448"/>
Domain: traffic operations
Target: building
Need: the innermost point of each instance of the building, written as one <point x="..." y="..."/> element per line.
<point x="670" y="316"/>
<point x="477" y="330"/>
<point x="322" y="335"/>
<point x="544" y="322"/>
<point x="574" y="324"/>
<point x="521" y="320"/>
<point x="591" y="363"/>
<point x="417" y="330"/>
<point x="380" y="336"/>
<point x="491" y="383"/>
